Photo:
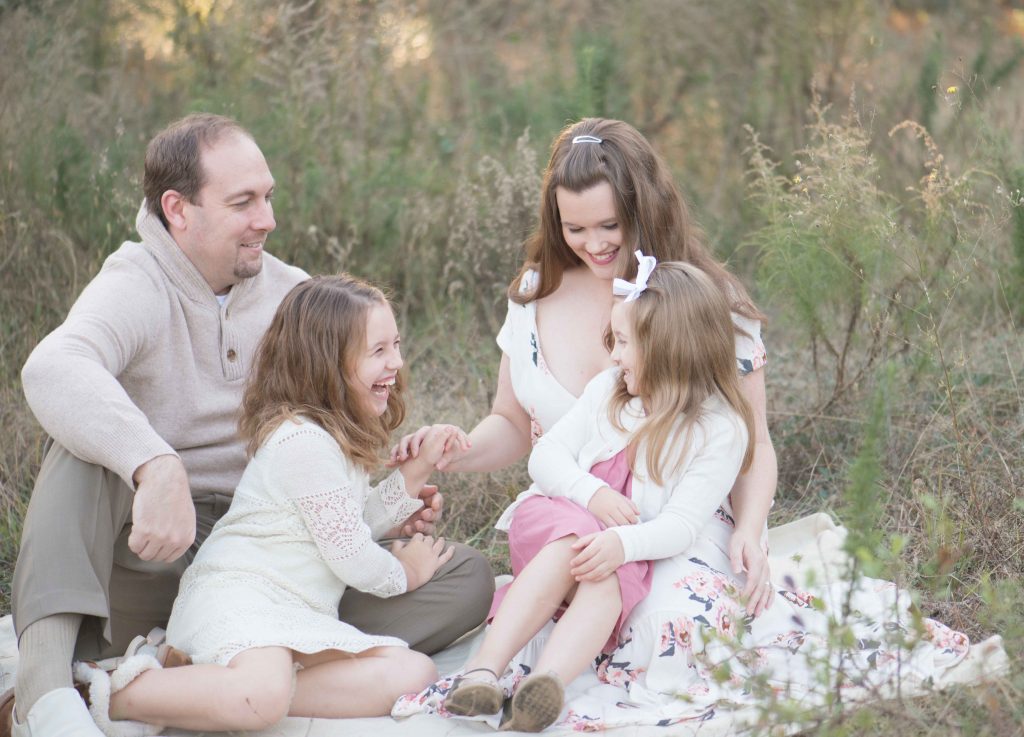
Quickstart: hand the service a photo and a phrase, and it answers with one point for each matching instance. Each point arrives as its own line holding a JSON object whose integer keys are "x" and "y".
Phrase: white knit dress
{"x": 301, "y": 528}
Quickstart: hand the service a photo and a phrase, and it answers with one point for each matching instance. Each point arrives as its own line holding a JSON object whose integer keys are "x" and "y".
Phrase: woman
{"x": 605, "y": 194}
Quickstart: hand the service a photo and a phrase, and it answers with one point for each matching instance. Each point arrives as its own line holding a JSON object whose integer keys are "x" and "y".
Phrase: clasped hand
{"x": 418, "y": 445}
{"x": 612, "y": 509}
{"x": 434, "y": 444}
{"x": 600, "y": 554}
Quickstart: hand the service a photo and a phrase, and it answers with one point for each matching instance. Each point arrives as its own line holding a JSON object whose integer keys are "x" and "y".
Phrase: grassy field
{"x": 858, "y": 163}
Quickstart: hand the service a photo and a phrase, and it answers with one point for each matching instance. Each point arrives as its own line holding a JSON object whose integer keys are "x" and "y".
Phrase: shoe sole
{"x": 469, "y": 699}
{"x": 535, "y": 705}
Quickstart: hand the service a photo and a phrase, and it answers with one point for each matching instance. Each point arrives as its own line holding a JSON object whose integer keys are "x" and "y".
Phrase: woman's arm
{"x": 751, "y": 498}
{"x": 501, "y": 438}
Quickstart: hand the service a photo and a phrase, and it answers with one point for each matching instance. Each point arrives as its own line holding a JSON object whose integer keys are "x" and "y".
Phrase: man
{"x": 139, "y": 391}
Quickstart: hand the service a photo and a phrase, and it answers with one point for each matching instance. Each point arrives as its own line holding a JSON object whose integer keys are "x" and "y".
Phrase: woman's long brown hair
{"x": 304, "y": 365}
{"x": 686, "y": 346}
{"x": 651, "y": 211}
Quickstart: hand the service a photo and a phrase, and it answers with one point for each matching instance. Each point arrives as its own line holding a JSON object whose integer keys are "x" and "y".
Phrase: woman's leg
{"x": 252, "y": 692}
{"x": 532, "y": 599}
{"x": 583, "y": 630}
{"x": 366, "y": 684}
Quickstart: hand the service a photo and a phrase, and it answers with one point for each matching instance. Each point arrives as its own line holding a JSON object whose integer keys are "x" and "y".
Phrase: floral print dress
{"x": 688, "y": 654}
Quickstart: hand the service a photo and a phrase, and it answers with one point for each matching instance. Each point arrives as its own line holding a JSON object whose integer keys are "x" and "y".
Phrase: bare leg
{"x": 366, "y": 684}
{"x": 532, "y": 599}
{"x": 252, "y": 692}
{"x": 583, "y": 629}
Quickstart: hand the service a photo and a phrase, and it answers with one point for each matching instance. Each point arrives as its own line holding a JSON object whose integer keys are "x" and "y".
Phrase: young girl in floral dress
{"x": 258, "y": 608}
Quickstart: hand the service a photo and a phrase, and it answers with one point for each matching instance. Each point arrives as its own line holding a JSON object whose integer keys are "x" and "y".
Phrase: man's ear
{"x": 173, "y": 205}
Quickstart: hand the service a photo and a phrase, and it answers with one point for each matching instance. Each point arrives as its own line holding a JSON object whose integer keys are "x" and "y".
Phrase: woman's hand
{"x": 411, "y": 445}
{"x": 613, "y": 509}
{"x": 600, "y": 555}
{"x": 747, "y": 554}
{"x": 408, "y": 446}
{"x": 440, "y": 443}
{"x": 421, "y": 556}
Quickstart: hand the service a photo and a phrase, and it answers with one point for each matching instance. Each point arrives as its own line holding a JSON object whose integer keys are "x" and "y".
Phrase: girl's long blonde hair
{"x": 304, "y": 366}
{"x": 686, "y": 346}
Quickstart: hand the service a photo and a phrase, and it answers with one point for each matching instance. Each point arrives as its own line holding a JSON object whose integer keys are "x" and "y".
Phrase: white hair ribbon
{"x": 630, "y": 290}
{"x": 587, "y": 139}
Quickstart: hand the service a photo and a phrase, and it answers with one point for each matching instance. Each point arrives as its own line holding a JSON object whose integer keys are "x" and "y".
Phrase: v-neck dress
{"x": 537, "y": 390}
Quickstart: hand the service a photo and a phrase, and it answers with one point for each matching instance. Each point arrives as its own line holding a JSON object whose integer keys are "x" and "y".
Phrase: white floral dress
{"x": 688, "y": 655}
{"x": 301, "y": 528}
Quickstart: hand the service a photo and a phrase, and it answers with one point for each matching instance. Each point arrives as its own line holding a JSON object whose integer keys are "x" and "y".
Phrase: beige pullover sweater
{"x": 149, "y": 363}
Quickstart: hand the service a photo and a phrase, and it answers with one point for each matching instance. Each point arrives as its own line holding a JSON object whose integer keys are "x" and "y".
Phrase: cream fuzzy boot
{"x": 103, "y": 685}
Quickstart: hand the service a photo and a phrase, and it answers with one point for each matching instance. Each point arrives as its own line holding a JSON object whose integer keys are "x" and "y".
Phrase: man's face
{"x": 226, "y": 227}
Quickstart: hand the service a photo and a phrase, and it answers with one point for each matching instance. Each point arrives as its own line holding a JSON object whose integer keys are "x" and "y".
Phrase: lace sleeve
{"x": 334, "y": 519}
{"x": 389, "y": 504}
{"x": 309, "y": 469}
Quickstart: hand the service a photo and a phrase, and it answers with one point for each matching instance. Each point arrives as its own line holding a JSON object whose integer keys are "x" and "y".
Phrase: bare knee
{"x": 410, "y": 671}
{"x": 606, "y": 590}
{"x": 253, "y": 703}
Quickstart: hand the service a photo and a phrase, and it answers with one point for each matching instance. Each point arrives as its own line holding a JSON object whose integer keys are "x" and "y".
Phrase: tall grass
{"x": 859, "y": 164}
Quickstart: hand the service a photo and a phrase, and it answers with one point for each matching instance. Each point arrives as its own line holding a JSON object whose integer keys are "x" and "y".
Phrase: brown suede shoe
{"x": 535, "y": 705}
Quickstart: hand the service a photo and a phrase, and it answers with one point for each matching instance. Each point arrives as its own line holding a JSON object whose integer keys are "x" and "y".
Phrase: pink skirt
{"x": 540, "y": 520}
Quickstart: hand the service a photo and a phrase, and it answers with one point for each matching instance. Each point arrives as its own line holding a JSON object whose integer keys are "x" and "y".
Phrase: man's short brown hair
{"x": 173, "y": 157}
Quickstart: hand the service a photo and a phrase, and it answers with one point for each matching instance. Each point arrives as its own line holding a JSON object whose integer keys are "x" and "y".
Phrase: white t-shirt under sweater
{"x": 301, "y": 528}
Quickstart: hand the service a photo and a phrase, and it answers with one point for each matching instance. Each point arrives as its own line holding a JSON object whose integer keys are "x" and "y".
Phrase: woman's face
{"x": 590, "y": 227}
{"x": 624, "y": 351}
{"x": 377, "y": 365}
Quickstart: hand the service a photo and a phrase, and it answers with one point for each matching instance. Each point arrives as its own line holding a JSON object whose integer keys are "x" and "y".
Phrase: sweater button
{"x": 231, "y": 354}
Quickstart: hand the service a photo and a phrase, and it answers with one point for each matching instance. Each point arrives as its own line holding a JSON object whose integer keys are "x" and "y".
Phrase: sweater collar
{"x": 179, "y": 269}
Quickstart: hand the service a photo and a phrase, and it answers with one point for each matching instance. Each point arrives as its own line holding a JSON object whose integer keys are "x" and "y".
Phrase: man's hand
{"x": 163, "y": 516}
{"x": 424, "y": 519}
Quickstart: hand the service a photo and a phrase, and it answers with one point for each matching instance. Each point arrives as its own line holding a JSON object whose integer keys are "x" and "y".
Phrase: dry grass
{"x": 417, "y": 166}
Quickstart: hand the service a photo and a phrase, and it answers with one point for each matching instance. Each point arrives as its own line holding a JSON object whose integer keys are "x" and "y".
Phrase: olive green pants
{"x": 75, "y": 558}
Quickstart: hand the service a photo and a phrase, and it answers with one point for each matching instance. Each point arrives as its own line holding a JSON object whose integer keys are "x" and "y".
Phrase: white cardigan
{"x": 672, "y": 514}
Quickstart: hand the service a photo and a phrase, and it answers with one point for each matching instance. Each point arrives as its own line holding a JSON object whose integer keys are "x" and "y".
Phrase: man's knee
{"x": 470, "y": 576}
{"x": 74, "y": 515}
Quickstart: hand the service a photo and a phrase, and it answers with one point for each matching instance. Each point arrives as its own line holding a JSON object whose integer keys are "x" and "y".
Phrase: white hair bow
{"x": 630, "y": 290}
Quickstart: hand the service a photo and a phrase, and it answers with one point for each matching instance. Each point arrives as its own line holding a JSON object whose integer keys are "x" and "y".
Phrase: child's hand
{"x": 600, "y": 554}
{"x": 612, "y": 509}
{"x": 421, "y": 556}
{"x": 441, "y": 444}
{"x": 409, "y": 446}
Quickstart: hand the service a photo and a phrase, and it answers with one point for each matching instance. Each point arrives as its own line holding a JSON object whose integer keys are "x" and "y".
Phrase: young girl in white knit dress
{"x": 632, "y": 473}
{"x": 257, "y": 609}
